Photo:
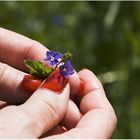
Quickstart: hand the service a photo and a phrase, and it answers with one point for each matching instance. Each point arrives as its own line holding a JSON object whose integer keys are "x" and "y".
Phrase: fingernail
{"x": 55, "y": 83}
{"x": 30, "y": 83}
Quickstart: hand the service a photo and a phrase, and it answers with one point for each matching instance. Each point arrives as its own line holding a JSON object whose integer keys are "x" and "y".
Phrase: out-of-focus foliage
{"x": 103, "y": 36}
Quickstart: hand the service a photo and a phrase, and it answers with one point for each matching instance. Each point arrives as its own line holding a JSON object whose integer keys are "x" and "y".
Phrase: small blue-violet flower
{"x": 66, "y": 69}
{"x": 53, "y": 57}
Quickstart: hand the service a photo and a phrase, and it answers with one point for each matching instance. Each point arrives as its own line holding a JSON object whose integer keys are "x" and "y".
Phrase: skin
{"x": 46, "y": 114}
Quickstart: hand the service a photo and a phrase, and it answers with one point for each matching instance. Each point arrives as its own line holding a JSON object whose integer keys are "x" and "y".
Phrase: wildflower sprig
{"x": 56, "y": 61}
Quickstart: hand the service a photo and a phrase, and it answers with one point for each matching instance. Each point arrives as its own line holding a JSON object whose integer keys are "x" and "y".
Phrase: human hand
{"x": 98, "y": 117}
{"x": 43, "y": 111}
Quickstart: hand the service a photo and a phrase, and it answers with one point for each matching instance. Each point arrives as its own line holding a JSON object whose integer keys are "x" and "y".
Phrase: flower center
{"x": 64, "y": 69}
{"x": 52, "y": 58}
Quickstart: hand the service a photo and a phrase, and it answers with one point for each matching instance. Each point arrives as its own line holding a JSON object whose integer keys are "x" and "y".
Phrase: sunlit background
{"x": 103, "y": 36}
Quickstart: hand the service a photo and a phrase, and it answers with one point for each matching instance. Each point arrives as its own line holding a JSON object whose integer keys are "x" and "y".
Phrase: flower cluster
{"x": 62, "y": 62}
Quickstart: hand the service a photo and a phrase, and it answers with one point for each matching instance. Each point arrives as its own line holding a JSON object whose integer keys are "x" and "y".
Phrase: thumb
{"x": 46, "y": 108}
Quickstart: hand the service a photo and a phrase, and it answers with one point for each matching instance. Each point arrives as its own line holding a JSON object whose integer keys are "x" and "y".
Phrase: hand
{"x": 44, "y": 109}
{"x": 98, "y": 119}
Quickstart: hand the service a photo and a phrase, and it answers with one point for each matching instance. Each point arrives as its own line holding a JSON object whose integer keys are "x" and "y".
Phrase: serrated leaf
{"x": 37, "y": 68}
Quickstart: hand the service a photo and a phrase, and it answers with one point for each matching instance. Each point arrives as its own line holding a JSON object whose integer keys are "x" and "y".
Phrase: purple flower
{"x": 66, "y": 69}
{"x": 53, "y": 57}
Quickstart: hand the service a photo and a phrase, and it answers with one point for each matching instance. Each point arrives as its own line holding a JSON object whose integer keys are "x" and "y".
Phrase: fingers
{"x": 38, "y": 115}
{"x": 96, "y": 108}
{"x": 15, "y": 48}
{"x": 72, "y": 116}
{"x": 46, "y": 108}
{"x": 90, "y": 100}
{"x": 99, "y": 119}
{"x": 70, "y": 120}
{"x": 10, "y": 85}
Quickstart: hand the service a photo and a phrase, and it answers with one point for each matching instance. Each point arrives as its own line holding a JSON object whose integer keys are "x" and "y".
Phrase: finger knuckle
{"x": 52, "y": 107}
{"x": 29, "y": 53}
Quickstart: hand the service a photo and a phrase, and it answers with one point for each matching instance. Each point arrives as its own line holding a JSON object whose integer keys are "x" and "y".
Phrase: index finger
{"x": 15, "y": 48}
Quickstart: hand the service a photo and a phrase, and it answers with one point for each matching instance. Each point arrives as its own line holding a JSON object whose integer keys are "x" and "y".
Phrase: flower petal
{"x": 66, "y": 69}
{"x": 52, "y": 54}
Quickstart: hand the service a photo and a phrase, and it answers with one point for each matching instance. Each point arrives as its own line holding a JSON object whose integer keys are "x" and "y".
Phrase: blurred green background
{"x": 103, "y": 36}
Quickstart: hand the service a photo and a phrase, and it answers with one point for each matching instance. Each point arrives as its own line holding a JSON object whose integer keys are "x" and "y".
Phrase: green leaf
{"x": 37, "y": 68}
